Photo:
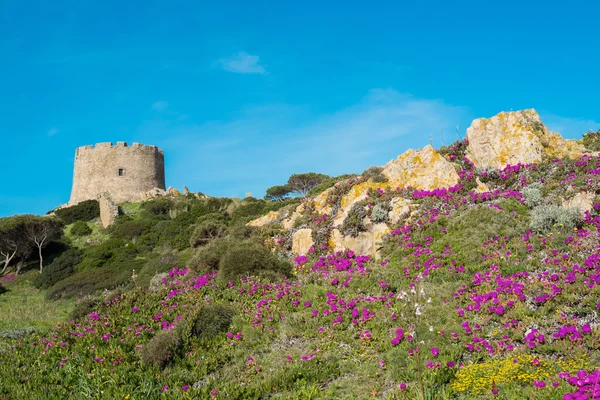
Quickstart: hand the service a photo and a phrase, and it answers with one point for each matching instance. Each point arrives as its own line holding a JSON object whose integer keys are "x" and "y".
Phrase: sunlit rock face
{"x": 515, "y": 137}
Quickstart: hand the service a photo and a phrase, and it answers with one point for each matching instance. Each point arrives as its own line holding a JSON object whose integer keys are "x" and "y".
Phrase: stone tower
{"x": 125, "y": 172}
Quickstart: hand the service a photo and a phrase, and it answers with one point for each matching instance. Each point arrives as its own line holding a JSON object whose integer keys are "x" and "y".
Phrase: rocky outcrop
{"x": 270, "y": 217}
{"x": 515, "y": 137}
{"x": 584, "y": 201}
{"x": 421, "y": 169}
{"x": 367, "y": 243}
{"x": 302, "y": 241}
{"x": 109, "y": 211}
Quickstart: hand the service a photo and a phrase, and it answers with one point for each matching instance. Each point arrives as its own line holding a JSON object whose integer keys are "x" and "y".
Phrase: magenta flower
{"x": 435, "y": 351}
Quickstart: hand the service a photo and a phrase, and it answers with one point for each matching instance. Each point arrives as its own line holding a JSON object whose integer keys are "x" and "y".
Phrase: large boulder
{"x": 302, "y": 241}
{"x": 367, "y": 243}
{"x": 584, "y": 201}
{"x": 270, "y": 217}
{"x": 421, "y": 169}
{"x": 515, "y": 137}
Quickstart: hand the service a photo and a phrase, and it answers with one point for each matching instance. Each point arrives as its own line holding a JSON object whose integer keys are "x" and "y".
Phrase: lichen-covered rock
{"x": 366, "y": 243}
{"x": 421, "y": 169}
{"x": 270, "y": 217}
{"x": 584, "y": 201}
{"x": 400, "y": 208}
{"x": 109, "y": 211}
{"x": 515, "y": 137}
{"x": 302, "y": 241}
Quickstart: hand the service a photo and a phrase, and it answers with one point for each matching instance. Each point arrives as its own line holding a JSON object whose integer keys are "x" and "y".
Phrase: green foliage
{"x": 106, "y": 252}
{"x": 533, "y": 194}
{"x": 62, "y": 267}
{"x": 354, "y": 223}
{"x": 207, "y": 258}
{"x": 212, "y": 319}
{"x": 303, "y": 183}
{"x": 158, "y": 206}
{"x": 278, "y": 193}
{"x": 552, "y": 217}
{"x": 83, "y": 308}
{"x": 250, "y": 258}
{"x": 591, "y": 140}
{"x": 88, "y": 282}
{"x": 85, "y": 211}
{"x": 16, "y": 334}
{"x": 374, "y": 173}
{"x": 380, "y": 213}
{"x": 207, "y": 231}
{"x": 129, "y": 229}
{"x": 80, "y": 228}
{"x": 161, "y": 348}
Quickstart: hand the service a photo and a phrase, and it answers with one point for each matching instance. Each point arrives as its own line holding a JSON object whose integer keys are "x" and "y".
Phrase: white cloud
{"x": 263, "y": 145}
{"x": 242, "y": 63}
{"x": 53, "y": 131}
{"x": 572, "y": 128}
{"x": 160, "y": 106}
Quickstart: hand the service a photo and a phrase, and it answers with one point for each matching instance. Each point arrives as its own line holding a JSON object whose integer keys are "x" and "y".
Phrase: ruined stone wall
{"x": 97, "y": 171}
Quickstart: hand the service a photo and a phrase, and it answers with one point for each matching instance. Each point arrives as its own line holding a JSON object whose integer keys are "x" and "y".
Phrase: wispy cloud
{"x": 243, "y": 63}
{"x": 53, "y": 131}
{"x": 571, "y": 128}
{"x": 263, "y": 145}
{"x": 160, "y": 106}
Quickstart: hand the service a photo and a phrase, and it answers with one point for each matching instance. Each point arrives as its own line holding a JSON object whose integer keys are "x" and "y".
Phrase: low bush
{"x": 207, "y": 257}
{"x": 354, "y": 223}
{"x": 533, "y": 194}
{"x": 84, "y": 211}
{"x": 80, "y": 228}
{"x": 19, "y": 333}
{"x": 591, "y": 140}
{"x": 83, "y": 308}
{"x": 211, "y": 320}
{"x": 62, "y": 267}
{"x": 374, "y": 173}
{"x": 249, "y": 258}
{"x": 546, "y": 218}
{"x": 161, "y": 348}
{"x": 88, "y": 282}
{"x": 380, "y": 213}
{"x": 207, "y": 231}
{"x": 158, "y": 206}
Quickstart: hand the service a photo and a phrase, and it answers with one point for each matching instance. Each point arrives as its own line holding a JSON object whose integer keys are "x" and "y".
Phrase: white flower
{"x": 429, "y": 300}
{"x": 431, "y": 329}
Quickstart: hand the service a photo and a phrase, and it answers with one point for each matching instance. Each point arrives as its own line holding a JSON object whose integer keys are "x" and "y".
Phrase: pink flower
{"x": 435, "y": 351}
{"x": 165, "y": 388}
{"x": 185, "y": 388}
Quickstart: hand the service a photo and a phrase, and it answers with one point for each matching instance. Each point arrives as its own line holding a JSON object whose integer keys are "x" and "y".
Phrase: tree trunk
{"x": 41, "y": 259}
{"x": 19, "y": 266}
{"x": 7, "y": 258}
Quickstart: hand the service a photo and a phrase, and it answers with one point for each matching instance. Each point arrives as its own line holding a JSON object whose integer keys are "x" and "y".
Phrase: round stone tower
{"x": 125, "y": 172}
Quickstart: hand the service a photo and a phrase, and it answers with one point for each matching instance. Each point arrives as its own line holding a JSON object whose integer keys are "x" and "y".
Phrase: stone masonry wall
{"x": 97, "y": 171}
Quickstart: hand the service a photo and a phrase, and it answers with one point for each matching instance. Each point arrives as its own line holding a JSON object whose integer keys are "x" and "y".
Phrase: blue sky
{"x": 242, "y": 94}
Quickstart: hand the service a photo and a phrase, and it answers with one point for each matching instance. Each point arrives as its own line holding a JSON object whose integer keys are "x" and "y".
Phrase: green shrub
{"x": 546, "y": 218}
{"x": 533, "y": 194}
{"x": 18, "y": 333}
{"x": 591, "y": 140}
{"x": 380, "y": 213}
{"x": 354, "y": 223}
{"x": 207, "y": 258}
{"x": 83, "y": 308}
{"x": 374, "y": 173}
{"x": 158, "y": 206}
{"x": 212, "y": 319}
{"x": 159, "y": 351}
{"x": 249, "y": 258}
{"x": 88, "y": 282}
{"x": 80, "y": 228}
{"x": 212, "y": 217}
{"x": 129, "y": 229}
{"x": 84, "y": 211}
{"x": 103, "y": 253}
{"x": 62, "y": 267}
{"x": 207, "y": 231}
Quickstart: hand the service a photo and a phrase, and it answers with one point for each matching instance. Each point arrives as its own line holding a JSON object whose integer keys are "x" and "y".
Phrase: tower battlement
{"x": 126, "y": 172}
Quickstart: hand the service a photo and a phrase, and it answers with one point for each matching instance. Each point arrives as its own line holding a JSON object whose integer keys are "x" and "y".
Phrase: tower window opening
{"x": 121, "y": 172}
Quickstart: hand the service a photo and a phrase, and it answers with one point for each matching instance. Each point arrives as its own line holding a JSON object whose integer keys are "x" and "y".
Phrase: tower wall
{"x": 125, "y": 172}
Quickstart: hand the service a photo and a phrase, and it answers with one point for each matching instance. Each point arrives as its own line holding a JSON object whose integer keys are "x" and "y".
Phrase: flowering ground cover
{"x": 470, "y": 300}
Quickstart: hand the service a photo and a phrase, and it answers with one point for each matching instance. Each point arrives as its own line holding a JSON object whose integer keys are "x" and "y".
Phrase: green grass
{"x": 23, "y": 305}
